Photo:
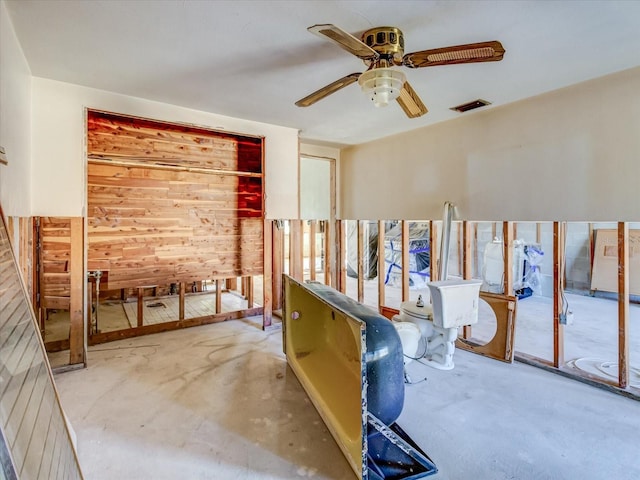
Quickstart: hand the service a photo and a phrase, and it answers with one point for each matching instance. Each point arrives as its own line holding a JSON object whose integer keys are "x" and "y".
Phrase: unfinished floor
{"x": 219, "y": 402}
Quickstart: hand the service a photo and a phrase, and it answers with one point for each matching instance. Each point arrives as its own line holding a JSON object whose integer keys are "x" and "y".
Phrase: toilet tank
{"x": 455, "y": 302}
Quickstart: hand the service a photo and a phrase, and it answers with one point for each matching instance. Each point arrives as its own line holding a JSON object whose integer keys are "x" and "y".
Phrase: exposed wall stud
{"x": 341, "y": 267}
{"x": 360, "y": 248}
{"x": 623, "y": 304}
{"x": 269, "y": 272}
{"x": 181, "y": 293}
{"x": 434, "y": 273}
{"x": 276, "y": 260}
{"x": 329, "y": 266}
{"x": 295, "y": 250}
{"x": 140, "y": 306}
{"x": 467, "y": 258}
{"x": 381, "y": 265}
{"x": 218, "y": 295}
{"x": 312, "y": 250}
{"x": 507, "y": 240}
{"x": 558, "y": 304}
{"x": 77, "y": 332}
{"x": 405, "y": 260}
{"x": 250, "y": 299}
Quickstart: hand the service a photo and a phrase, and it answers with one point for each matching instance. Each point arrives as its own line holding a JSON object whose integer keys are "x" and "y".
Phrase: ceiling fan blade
{"x": 328, "y": 90}
{"x": 470, "y": 53}
{"x": 345, "y": 40}
{"x": 410, "y": 102}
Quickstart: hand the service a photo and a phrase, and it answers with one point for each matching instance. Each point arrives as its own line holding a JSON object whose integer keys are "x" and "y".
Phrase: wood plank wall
{"x": 171, "y": 203}
{"x": 55, "y": 257}
{"x": 30, "y": 415}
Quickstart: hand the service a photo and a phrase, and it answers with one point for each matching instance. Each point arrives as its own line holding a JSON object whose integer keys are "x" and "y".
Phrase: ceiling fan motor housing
{"x": 387, "y": 41}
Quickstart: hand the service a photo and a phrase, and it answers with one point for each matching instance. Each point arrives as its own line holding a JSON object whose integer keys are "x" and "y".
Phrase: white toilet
{"x": 454, "y": 304}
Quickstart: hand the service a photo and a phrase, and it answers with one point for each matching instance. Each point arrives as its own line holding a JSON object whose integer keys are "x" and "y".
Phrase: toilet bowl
{"x": 419, "y": 313}
{"x": 454, "y": 304}
{"x": 409, "y": 338}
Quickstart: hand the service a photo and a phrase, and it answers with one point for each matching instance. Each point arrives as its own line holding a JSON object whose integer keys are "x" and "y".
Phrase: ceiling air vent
{"x": 465, "y": 107}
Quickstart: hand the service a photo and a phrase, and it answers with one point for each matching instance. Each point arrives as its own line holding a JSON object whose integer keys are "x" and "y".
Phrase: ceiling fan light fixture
{"x": 382, "y": 85}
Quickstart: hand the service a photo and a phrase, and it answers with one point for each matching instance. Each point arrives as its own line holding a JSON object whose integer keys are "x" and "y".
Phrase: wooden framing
{"x": 405, "y": 260}
{"x": 180, "y": 168}
{"x": 312, "y": 250}
{"x": 181, "y": 301}
{"x": 268, "y": 277}
{"x": 232, "y": 283}
{"x": 507, "y": 240}
{"x": 476, "y": 265}
{"x": 467, "y": 265}
{"x": 218, "y": 296}
{"x": 558, "y": 304}
{"x": 469, "y": 233}
{"x": 339, "y": 252}
{"x": 77, "y": 332}
{"x": 623, "y": 304}
{"x": 277, "y": 263}
{"x": 381, "y": 265}
{"x": 591, "y": 245}
{"x": 360, "y": 248}
{"x": 296, "y": 250}
{"x": 249, "y": 292}
{"x": 329, "y": 266}
{"x": 173, "y": 325}
{"x": 434, "y": 272}
{"x": 141, "y": 306}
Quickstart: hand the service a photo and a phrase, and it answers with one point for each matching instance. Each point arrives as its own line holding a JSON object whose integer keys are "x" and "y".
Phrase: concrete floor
{"x": 219, "y": 402}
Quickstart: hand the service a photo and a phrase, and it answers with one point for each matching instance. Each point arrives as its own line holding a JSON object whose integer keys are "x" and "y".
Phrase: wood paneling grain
{"x": 117, "y": 136}
{"x": 55, "y": 257}
{"x": 171, "y": 203}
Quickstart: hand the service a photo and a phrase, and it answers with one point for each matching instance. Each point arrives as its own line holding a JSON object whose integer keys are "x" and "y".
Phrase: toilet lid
{"x": 410, "y": 308}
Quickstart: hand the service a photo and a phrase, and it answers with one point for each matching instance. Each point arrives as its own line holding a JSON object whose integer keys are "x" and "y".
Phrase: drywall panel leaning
{"x": 604, "y": 275}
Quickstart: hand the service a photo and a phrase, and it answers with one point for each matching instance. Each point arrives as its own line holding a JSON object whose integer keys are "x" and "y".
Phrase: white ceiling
{"x": 254, "y": 59}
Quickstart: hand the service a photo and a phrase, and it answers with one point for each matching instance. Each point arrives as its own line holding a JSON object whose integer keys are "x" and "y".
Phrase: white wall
{"x": 572, "y": 154}
{"x": 15, "y": 121}
{"x": 59, "y": 154}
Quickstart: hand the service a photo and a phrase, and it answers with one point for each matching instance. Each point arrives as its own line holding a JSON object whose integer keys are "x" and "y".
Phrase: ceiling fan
{"x": 381, "y": 49}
